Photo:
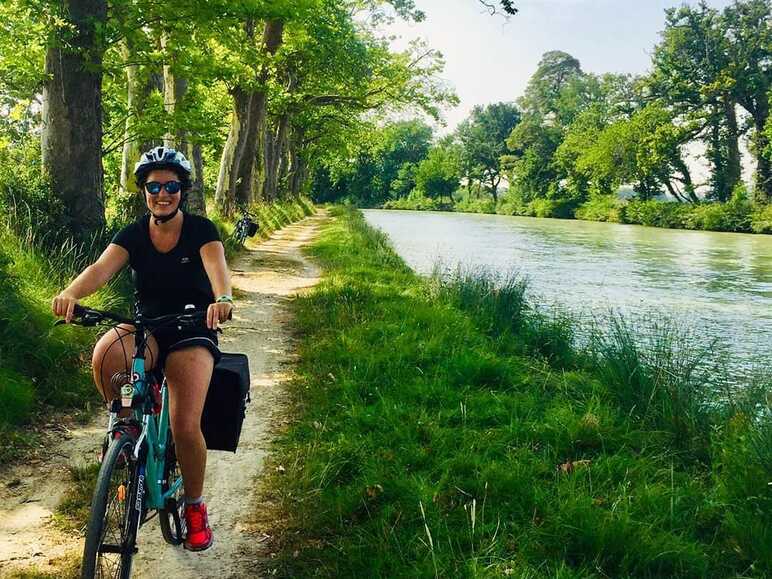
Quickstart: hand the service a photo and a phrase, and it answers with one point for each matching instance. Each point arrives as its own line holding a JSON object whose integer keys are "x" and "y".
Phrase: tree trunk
{"x": 494, "y": 189}
{"x": 233, "y": 151}
{"x": 175, "y": 89}
{"x": 249, "y": 186}
{"x": 246, "y": 178}
{"x": 733, "y": 168}
{"x": 130, "y": 145}
{"x": 196, "y": 202}
{"x": 716, "y": 156}
{"x": 297, "y": 176}
{"x": 686, "y": 179}
{"x": 763, "y": 180}
{"x": 136, "y": 95}
{"x": 296, "y": 163}
{"x": 275, "y": 143}
{"x": 284, "y": 164}
{"x": 269, "y": 138}
{"x": 71, "y": 140}
{"x": 140, "y": 84}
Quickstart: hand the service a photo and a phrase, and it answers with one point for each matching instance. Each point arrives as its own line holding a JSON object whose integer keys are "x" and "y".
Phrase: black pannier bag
{"x": 226, "y": 403}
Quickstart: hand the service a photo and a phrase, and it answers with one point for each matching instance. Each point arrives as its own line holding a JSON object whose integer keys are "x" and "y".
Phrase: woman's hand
{"x": 218, "y": 313}
{"x": 64, "y": 305}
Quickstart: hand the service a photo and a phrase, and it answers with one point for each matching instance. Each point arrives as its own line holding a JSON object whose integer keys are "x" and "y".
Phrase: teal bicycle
{"x": 139, "y": 472}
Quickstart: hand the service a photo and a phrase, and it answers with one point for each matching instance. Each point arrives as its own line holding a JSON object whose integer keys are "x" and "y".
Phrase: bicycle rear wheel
{"x": 240, "y": 232}
{"x": 115, "y": 514}
{"x": 172, "y": 516}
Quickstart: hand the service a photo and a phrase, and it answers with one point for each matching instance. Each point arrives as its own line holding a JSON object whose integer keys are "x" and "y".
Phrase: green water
{"x": 719, "y": 284}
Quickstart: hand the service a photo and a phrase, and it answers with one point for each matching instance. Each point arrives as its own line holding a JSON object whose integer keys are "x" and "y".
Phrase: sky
{"x": 490, "y": 59}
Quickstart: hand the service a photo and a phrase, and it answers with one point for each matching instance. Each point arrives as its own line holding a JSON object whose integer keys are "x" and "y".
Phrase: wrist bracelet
{"x": 225, "y": 298}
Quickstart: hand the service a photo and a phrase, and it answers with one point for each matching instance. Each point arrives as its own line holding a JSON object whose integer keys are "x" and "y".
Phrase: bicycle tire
{"x": 240, "y": 231}
{"x": 172, "y": 516}
{"x": 112, "y": 528}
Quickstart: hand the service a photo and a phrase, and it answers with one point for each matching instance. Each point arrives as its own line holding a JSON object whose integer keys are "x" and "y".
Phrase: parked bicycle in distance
{"x": 246, "y": 226}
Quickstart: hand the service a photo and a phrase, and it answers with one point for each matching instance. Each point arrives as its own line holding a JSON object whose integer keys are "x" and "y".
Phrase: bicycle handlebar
{"x": 91, "y": 317}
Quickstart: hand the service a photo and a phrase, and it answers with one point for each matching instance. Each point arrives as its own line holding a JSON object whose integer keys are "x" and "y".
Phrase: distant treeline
{"x": 567, "y": 146}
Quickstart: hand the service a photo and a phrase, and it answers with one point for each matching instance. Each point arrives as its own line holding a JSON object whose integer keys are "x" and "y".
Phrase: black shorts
{"x": 172, "y": 339}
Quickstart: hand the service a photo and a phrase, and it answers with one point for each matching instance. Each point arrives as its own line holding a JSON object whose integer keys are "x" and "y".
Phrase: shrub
{"x": 669, "y": 214}
{"x": 26, "y": 194}
{"x": 601, "y": 208}
{"x": 761, "y": 219}
{"x": 416, "y": 201}
{"x": 16, "y": 397}
{"x": 559, "y": 208}
{"x": 735, "y": 215}
{"x": 467, "y": 202}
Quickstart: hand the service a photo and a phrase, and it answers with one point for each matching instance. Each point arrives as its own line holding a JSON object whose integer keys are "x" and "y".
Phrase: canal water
{"x": 718, "y": 284}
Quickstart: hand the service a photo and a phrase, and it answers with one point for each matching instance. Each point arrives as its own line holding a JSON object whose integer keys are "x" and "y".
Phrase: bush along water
{"x": 447, "y": 428}
{"x": 737, "y": 215}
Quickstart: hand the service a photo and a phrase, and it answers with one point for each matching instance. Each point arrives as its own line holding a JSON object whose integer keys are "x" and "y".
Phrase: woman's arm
{"x": 90, "y": 280}
{"x": 213, "y": 256}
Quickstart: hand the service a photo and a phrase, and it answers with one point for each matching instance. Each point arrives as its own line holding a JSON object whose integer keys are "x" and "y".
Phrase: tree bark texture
{"x": 276, "y": 139}
{"x": 247, "y": 176}
{"x": 233, "y": 151}
{"x": 71, "y": 140}
{"x": 196, "y": 203}
{"x": 298, "y": 167}
{"x": 175, "y": 89}
{"x": 763, "y": 181}
{"x": 733, "y": 160}
{"x": 140, "y": 83}
{"x": 248, "y": 183}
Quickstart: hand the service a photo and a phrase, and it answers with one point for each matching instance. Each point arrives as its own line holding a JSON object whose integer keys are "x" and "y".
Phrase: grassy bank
{"x": 737, "y": 215}
{"x": 43, "y": 369}
{"x": 447, "y": 429}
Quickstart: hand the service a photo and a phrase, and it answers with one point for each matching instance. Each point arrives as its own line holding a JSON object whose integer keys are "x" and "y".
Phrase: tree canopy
{"x": 260, "y": 95}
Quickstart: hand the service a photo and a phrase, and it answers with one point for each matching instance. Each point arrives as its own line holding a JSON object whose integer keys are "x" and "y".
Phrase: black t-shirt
{"x": 167, "y": 282}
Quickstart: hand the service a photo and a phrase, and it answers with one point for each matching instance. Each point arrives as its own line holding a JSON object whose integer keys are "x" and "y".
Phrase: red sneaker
{"x": 199, "y": 536}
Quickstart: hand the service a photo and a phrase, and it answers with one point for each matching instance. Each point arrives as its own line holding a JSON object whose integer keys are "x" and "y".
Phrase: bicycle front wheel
{"x": 115, "y": 514}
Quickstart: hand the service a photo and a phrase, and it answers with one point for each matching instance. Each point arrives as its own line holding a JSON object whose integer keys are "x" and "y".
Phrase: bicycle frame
{"x": 153, "y": 435}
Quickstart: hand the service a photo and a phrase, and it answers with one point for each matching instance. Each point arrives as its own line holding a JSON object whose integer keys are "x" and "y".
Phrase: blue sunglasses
{"x": 172, "y": 187}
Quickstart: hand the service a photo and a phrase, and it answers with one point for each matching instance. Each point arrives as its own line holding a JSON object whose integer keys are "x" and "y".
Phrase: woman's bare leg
{"x": 188, "y": 372}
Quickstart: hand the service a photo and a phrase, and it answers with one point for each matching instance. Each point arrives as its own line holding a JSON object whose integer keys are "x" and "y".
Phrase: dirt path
{"x": 265, "y": 278}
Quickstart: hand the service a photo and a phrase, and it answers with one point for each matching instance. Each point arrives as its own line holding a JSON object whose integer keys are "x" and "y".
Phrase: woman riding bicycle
{"x": 178, "y": 259}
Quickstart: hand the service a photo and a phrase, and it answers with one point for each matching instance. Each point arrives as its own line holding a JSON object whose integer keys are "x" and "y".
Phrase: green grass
{"x": 42, "y": 368}
{"x": 447, "y": 429}
{"x": 73, "y": 511}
